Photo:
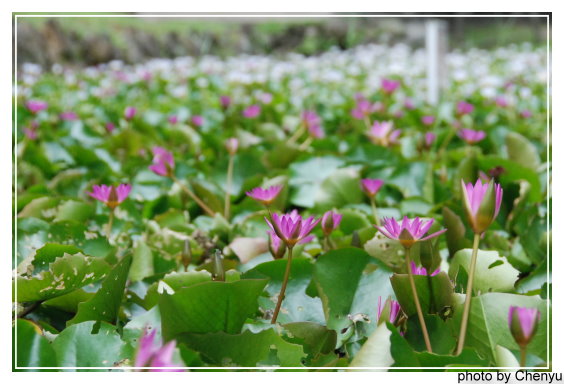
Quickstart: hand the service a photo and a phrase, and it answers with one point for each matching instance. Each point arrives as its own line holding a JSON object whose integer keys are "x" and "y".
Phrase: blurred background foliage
{"x": 93, "y": 40}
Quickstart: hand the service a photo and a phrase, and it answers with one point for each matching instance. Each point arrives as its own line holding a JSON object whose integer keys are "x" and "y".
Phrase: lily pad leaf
{"x": 78, "y": 346}
{"x": 209, "y": 307}
{"x": 247, "y": 349}
{"x": 65, "y": 274}
{"x": 105, "y": 304}
{"x": 493, "y": 272}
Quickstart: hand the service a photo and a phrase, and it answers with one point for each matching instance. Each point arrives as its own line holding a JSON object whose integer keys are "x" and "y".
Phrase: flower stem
{"x": 297, "y": 134}
{"x": 110, "y": 223}
{"x": 305, "y": 145}
{"x": 417, "y": 304}
{"x": 283, "y": 289}
{"x": 194, "y": 197}
{"x": 523, "y": 361}
{"x": 374, "y": 211}
{"x": 228, "y": 188}
{"x": 466, "y": 313}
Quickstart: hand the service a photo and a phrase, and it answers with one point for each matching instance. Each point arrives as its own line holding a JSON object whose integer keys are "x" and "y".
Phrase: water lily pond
{"x": 283, "y": 212}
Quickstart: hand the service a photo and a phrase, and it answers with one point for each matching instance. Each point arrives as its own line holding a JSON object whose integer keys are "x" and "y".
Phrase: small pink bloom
{"x": 371, "y": 186}
{"x": 148, "y": 355}
{"x": 408, "y": 231}
{"x": 197, "y": 120}
{"x": 501, "y": 102}
{"x": 232, "y": 144}
{"x": 422, "y": 271}
{"x": 291, "y": 228}
{"x": 330, "y": 221}
{"x": 464, "y": 108}
{"x": 395, "y": 309}
{"x": 110, "y": 195}
{"x": 130, "y": 113}
{"x": 265, "y": 196}
{"x": 173, "y": 119}
{"x": 408, "y": 104}
{"x": 251, "y": 111}
{"x": 110, "y": 127}
{"x": 225, "y": 101}
{"x": 68, "y": 116}
{"x": 30, "y": 133}
{"x": 365, "y": 108}
{"x": 36, "y": 106}
{"x": 381, "y": 130}
{"x": 428, "y": 120}
{"x": 471, "y": 136}
{"x": 389, "y": 85}
{"x": 265, "y": 98}
{"x": 163, "y": 162}
{"x": 526, "y": 113}
{"x": 429, "y": 139}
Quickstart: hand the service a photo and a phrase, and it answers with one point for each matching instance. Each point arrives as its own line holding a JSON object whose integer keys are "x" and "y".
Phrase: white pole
{"x": 435, "y": 46}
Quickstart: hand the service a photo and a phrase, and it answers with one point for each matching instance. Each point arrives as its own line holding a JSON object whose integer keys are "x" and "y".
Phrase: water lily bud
{"x": 232, "y": 144}
{"x": 330, "y": 222}
{"x": 482, "y": 202}
{"x": 523, "y": 324}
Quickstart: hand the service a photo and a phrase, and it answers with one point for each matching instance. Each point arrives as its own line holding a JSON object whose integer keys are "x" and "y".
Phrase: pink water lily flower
{"x": 408, "y": 231}
{"x": 252, "y": 111}
{"x": 149, "y": 355}
{"x": 130, "y": 113}
{"x": 30, "y": 133}
{"x": 313, "y": 124}
{"x": 291, "y": 228}
{"x": 471, "y": 136}
{"x": 36, "y": 106}
{"x": 395, "y": 310}
{"x": 365, "y": 108}
{"x": 523, "y": 324}
{"x": 422, "y": 271}
{"x": 264, "y": 195}
{"x": 173, "y": 119}
{"x": 482, "y": 202}
{"x": 371, "y": 186}
{"x": 408, "y": 104}
{"x": 428, "y": 120}
{"x": 110, "y": 195}
{"x": 389, "y": 85}
{"x": 330, "y": 221}
{"x": 265, "y": 98}
{"x": 163, "y": 162}
{"x": 68, "y": 116}
{"x": 197, "y": 120}
{"x": 429, "y": 139}
{"x": 501, "y": 102}
{"x": 110, "y": 127}
{"x": 225, "y": 101}
{"x": 464, "y": 108}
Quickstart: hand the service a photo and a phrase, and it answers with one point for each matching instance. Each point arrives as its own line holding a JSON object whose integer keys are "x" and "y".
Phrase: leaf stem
{"x": 194, "y": 197}
{"x": 283, "y": 289}
{"x": 466, "y": 313}
{"x": 374, "y": 211}
{"x": 416, "y": 299}
{"x": 226, "y": 213}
